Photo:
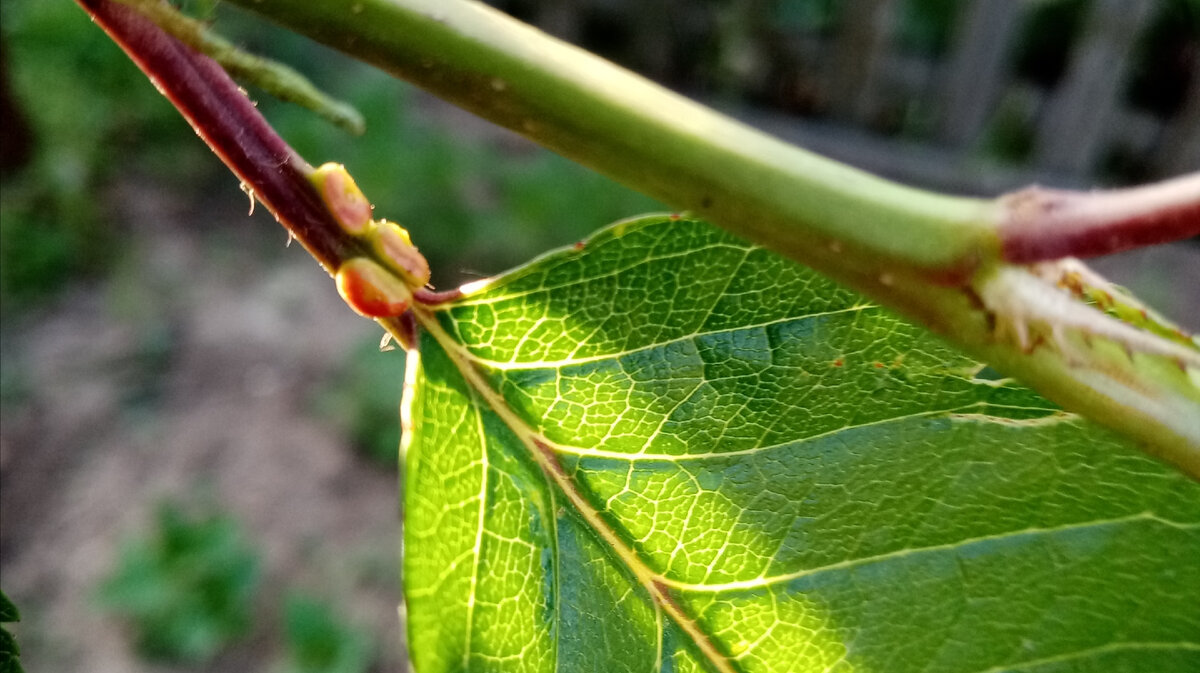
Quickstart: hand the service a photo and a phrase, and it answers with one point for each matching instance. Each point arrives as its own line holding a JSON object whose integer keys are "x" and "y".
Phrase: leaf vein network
{"x": 763, "y": 582}
{"x": 513, "y": 365}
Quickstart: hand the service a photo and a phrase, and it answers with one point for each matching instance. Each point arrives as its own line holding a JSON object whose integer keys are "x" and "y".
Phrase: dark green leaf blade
{"x": 759, "y": 471}
{"x": 8, "y": 611}
{"x": 10, "y": 652}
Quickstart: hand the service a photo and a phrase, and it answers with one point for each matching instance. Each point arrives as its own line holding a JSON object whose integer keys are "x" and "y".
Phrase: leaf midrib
{"x": 659, "y": 587}
{"x": 544, "y": 457}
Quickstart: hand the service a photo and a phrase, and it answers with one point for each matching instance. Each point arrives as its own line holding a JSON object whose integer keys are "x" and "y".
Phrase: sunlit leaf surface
{"x": 668, "y": 450}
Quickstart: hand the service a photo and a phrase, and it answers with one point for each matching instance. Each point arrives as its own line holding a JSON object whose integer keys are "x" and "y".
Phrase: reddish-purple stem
{"x": 1041, "y": 224}
{"x": 229, "y": 123}
{"x": 433, "y": 298}
{"x": 1045, "y": 224}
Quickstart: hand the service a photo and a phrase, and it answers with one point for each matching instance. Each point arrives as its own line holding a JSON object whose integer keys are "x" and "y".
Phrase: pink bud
{"x": 395, "y": 247}
{"x": 372, "y": 290}
{"x": 343, "y": 198}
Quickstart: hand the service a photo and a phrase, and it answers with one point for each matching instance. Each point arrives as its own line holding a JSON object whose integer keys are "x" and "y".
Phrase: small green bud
{"x": 394, "y": 245}
{"x": 343, "y": 198}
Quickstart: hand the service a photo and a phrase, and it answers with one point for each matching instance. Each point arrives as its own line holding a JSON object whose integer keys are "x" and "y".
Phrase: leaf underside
{"x": 761, "y": 471}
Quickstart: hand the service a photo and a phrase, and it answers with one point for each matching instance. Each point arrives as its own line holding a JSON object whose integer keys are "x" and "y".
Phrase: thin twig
{"x": 275, "y": 78}
{"x": 1045, "y": 224}
{"x": 229, "y": 123}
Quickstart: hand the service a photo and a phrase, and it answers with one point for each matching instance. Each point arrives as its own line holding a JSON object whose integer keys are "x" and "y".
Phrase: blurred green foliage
{"x": 927, "y": 26}
{"x": 84, "y": 103}
{"x": 1010, "y": 137}
{"x": 364, "y": 399}
{"x": 10, "y": 652}
{"x": 477, "y": 201}
{"x": 474, "y": 205}
{"x": 817, "y": 16}
{"x": 1159, "y": 81}
{"x": 1048, "y": 33}
{"x": 186, "y": 588}
{"x": 320, "y": 641}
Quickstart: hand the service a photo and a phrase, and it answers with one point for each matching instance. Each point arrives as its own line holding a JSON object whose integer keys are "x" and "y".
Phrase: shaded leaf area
{"x": 10, "y": 652}
{"x": 754, "y": 457}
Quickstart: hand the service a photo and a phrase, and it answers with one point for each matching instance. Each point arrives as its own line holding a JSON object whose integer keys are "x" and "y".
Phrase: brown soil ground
{"x": 243, "y": 334}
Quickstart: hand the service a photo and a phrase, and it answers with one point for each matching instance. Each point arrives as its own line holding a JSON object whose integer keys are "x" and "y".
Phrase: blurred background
{"x": 198, "y": 439}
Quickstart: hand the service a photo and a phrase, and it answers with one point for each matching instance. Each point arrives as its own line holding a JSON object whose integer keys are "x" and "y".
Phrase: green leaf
{"x": 187, "y": 587}
{"x": 319, "y": 641}
{"x": 8, "y": 611}
{"x": 10, "y": 652}
{"x": 670, "y": 450}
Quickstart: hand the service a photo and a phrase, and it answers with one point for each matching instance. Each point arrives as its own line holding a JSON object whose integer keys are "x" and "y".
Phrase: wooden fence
{"x": 849, "y": 87}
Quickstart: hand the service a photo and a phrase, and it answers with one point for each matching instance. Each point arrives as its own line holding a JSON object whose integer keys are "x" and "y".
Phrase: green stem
{"x": 935, "y": 258}
{"x": 818, "y": 211}
{"x": 275, "y": 78}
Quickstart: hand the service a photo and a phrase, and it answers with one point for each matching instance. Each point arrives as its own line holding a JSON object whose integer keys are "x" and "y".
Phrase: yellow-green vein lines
{"x": 483, "y": 283}
{"x": 652, "y": 582}
{"x": 1092, "y": 652}
{"x": 767, "y": 581}
{"x": 962, "y": 414}
{"x": 513, "y": 365}
{"x": 478, "y": 548}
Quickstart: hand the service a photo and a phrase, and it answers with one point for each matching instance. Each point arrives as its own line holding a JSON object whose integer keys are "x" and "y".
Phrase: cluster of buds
{"x": 379, "y": 286}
